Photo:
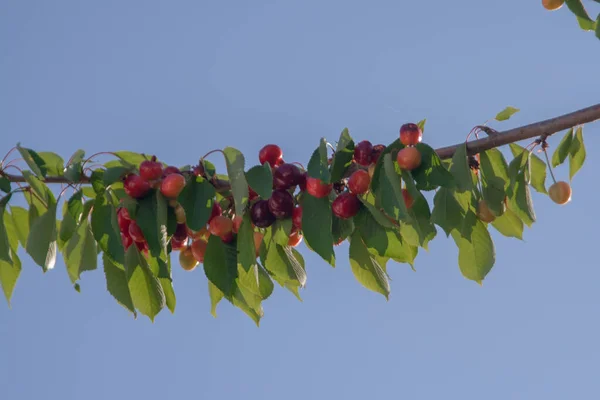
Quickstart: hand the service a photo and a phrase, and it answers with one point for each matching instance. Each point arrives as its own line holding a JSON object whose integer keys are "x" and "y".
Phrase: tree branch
{"x": 537, "y": 129}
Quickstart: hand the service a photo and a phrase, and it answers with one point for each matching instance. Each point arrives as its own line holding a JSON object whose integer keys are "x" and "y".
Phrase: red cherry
{"x": 216, "y": 211}
{"x": 409, "y": 158}
{"x": 177, "y": 244}
{"x": 272, "y": 154}
{"x": 376, "y": 153}
{"x": 135, "y": 186}
{"x": 123, "y": 213}
{"x": 286, "y": 176}
{"x": 281, "y": 204}
{"x": 142, "y": 246}
{"x": 199, "y": 249}
{"x": 136, "y": 232}
{"x": 126, "y": 239}
{"x": 346, "y": 205}
{"x": 316, "y": 188}
{"x": 123, "y": 221}
{"x": 297, "y": 217}
{"x": 260, "y": 214}
{"x": 410, "y": 134}
{"x": 237, "y": 222}
{"x": 251, "y": 194}
{"x": 359, "y": 182}
{"x": 228, "y": 237}
{"x": 220, "y": 226}
{"x": 408, "y": 199}
{"x": 151, "y": 170}
{"x": 362, "y": 153}
{"x": 170, "y": 170}
{"x": 181, "y": 232}
{"x": 295, "y": 239}
{"x": 172, "y": 185}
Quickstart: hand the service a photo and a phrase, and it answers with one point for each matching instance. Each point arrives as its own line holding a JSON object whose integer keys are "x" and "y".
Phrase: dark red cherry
{"x": 260, "y": 214}
{"x": 181, "y": 232}
{"x": 362, "y": 153}
{"x": 135, "y": 186}
{"x": 151, "y": 170}
{"x": 281, "y": 204}
{"x": 171, "y": 170}
{"x": 345, "y": 206}
{"x": 136, "y": 232}
{"x": 286, "y": 176}
{"x": 376, "y": 153}
{"x": 297, "y": 217}
{"x": 271, "y": 153}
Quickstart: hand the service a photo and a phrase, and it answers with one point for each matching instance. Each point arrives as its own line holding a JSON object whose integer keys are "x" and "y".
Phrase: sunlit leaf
{"x": 563, "y": 149}
{"x": 146, "y": 291}
{"x": 316, "y": 226}
{"x": 431, "y": 174}
{"x": 476, "y": 252}
{"x": 506, "y": 113}
{"x": 117, "y": 286}
{"x": 318, "y": 167}
{"x": 365, "y": 267}
{"x": 577, "y": 153}
{"x": 197, "y": 200}
{"x": 237, "y": 178}
{"x": 343, "y": 156}
{"x": 260, "y": 179}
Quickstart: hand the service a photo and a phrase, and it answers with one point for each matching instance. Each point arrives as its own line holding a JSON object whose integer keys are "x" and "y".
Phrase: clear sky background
{"x": 177, "y": 79}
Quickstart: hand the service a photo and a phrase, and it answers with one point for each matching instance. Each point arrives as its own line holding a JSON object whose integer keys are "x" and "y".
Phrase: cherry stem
{"x": 95, "y": 155}
{"x": 7, "y": 154}
{"x": 331, "y": 147}
{"x": 549, "y": 166}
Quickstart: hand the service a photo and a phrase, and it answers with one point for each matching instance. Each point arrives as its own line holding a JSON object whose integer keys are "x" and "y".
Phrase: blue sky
{"x": 177, "y": 79}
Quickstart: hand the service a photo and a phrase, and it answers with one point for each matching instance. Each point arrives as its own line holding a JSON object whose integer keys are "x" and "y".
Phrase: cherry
{"x": 176, "y": 244}
{"x": 271, "y": 153}
{"x": 198, "y": 248}
{"x": 142, "y": 246}
{"x": 237, "y": 223}
{"x": 552, "y": 5}
{"x": 410, "y": 134}
{"x": 251, "y": 194}
{"x": 123, "y": 221}
{"x": 199, "y": 170}
{"x": 221, "y": 226}
{"x": 409, "y": 158}
{"x": 295, "y": 239}
{"x": 346, "y": 205}
{"x": 297, "y": 217}
{"x": 216, "y": 211}
{"x": 281, "y": 204}
{"x": 135, "y": 186}
{"x": 151, "y": 170}
{"x": 362, "y": 153}
{"x": 136, "y": 232}
{"x": 170, "y": 170}
{"x": 181, "y": 233}
{"x": 359, "y": 182}
{"x": 302, "y": 181}
{"x": 338, "y": 242}
{"x": 126, "y": 239}
{"x": 187, "y": 260}
{"x": 376, "y": 153}
{"x": 261, "y": 215}
{"x": 484, "y": 213}
{"x": 286, "y": 176}
{"x": 408, "y": 199}
{"x": 203, "y": 233}
{"x": 560, "y": 192}
{"x": 258, "y": 238}
{"x": 172, "y": 185}
{"x": 316, "y": 188}
{"x": 123, "y": 213}
{"x": 180, "y": 216}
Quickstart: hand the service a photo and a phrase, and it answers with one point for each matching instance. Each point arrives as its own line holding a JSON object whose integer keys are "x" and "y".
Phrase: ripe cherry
{"x": 177, "y": 244}
{"x": 281, "y": 204}
{"x": 271, "y": 153}
{"x": 136, "y": 232}
{"x": 198, "y": 248}
{"x": 286, "y": 176}
{"x": 251, "y": 194}
{"x": 221, "y": 226}
{"x": 560, "y": 192}
{"x": 126, "y": 239}
{"x": 123, "y": 221}
{"x": 410, "y": 134}
{"x": 203, "y": 233}
{"x": 552, "y": 5}
{"x": 142, "y": 247}
{"x": 199, "y": 170}
{"x": 258, "y": 238}
{"x": 123, "y": 213}
{"x": 363, "y": 152}
{"x": 409, "y": 158}
{"x": 295, "y": 239}
{"x": 484, "y": 213}
{"x": 172, "y": 185}
{"x": 359, "y": 182}
{"x": 408, "y": 199}
{"x": 216, "y": 211}
{"x": 170, "y": 170}
{"x": 297, "y": 217}
{"x": 151, "y": 170}
{"x": 260, "y": 214}
{"x": 346, "y": 205}
{"x": 237, "y": 222}
{"x": 187, "y": 260}
{"x": 135, "y": 186}
{"x": 376, "y": 153}
{"x": 316, "y": 188}
{"x": 181, "y": 232}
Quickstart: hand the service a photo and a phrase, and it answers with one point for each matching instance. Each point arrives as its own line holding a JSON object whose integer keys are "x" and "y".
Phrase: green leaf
{"x": 40, "y": 189}
{"x": 130, "y": 158}
{"x": 316, "y": 226}
{"x": 562, "y": 151}
{"x": 341, "y": 228}
{"x": 285, "y": 265}
{"x": 34, "y": 161}
{"x": 577, "y": 8}
{"x": 53, "y": 163}
{"x": 520, "y": 201}
{"x": 597, "y": 30}
{"x": 368, "y": 201}
{"x": 146, "y": 291}
{"x": 418, "y": 230}
{"x": 506, "y": 113}
{"x": 117, "y": 284}
{"x": 5, "y": 248}
{"x": 151, "y": 216}
{"x": 245, "y": 243}
{"x": 97, "y": 180}
{"x": 9, "y": 274}
{"x": 237, "y": 178}
{"x": 460, "y": 169}
{"x": 215, "y": 297}
{"x": 167, "y": 285}
{"x": 476, "y": 253}
{"x": 318, "y": 166}
{"x": 447, "y": 211}
{"x": 80, "y": 252}
{"x": 20, "y": 220}
{"x": 74, "y": 168}
{"x": 392, "y": 149}
{"x": 114, "y": 174}
{"x": 4, "y": 184}
{"x": 197, "y": 201}
{"x": 282, "y": 228}
{"x": 509, "y": 224}
{"x": 342, "y": 158}
{"x": 577, "y": 153}
{"x": 537, "y": 167}
{"x": 106, "y": 228}
{"x": 493, "y": 166}
{"x": 260, "y": 178}
{"x": 421, "y": 124}
{"x": 365, "y": 267}
{"x": 11, "y": 231}
{"x": 71, "y": 215}
{"x": 431, "y": 174}
{"x": 89, "y": 192}
{"x": 391, "y": 197}
{"x": 220, "y": 265}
